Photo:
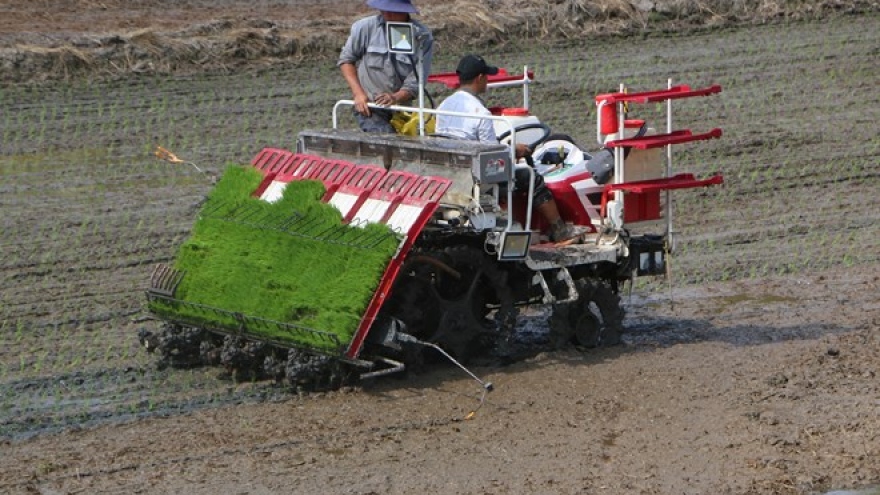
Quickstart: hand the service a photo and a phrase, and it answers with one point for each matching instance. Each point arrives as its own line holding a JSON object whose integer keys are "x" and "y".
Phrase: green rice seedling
{"x": 108, "y": 353}
{"x": 283, "y": 268}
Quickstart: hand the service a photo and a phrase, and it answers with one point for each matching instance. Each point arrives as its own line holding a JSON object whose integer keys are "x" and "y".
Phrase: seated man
{"x": 473, "y": 78}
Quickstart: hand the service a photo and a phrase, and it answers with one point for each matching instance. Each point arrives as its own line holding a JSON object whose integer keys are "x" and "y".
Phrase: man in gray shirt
{"x": 373, "y": 73}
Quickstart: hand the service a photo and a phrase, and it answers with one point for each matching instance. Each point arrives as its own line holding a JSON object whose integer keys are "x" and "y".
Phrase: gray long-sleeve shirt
{"x": 380, "y": 71}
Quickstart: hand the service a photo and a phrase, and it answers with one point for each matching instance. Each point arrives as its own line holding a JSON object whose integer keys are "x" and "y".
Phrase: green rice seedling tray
{"x": 288, "y": 272}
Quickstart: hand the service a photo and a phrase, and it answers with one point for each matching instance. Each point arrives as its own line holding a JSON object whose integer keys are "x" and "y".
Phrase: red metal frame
{"x": 289, "y": 170}
{"x": 391, "y": 189}
{"x": 427, "y": 192}
{"x": 660, "y": 140}
{"x": 450, "y": 79}
{"x": 333, "y": 173}
{"x": 647, "y": 206}
{"x": 270, "y": 159}
{"x": 264, "y": 184}
{"x": 643, "y": 197}
{"x": 310, "y": 168}
{"x": 359, "y": 184}
{"x": 282, "y": 165}
{"x": 673, "y": 93}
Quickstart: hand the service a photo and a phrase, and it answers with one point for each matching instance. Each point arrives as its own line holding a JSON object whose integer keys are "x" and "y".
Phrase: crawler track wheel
{"x": 595, "y": 319}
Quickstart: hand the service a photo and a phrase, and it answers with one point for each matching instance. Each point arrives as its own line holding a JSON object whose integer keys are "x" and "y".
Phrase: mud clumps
{"x": 245, "y": 360}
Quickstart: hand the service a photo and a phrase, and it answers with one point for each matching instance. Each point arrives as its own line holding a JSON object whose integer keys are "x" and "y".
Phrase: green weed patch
{"x": 292, "y": 261}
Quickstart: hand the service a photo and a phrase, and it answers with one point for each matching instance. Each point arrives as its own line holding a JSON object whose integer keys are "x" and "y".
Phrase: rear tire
{"x": 447, "y": 297}
{"x": 595, "y": 319}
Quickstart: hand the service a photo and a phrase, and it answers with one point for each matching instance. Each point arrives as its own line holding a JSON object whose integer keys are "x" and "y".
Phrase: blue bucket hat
{"x": 402, "y": 6}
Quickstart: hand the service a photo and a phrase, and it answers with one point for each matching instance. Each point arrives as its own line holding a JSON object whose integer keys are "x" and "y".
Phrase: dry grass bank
{"x": 84, "y": 38}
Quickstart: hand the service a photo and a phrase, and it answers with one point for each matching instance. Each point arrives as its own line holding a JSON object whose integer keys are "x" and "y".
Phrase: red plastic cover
{"x": 673, "y": 93}
{"x": 658, "y": 140}
{"x": 450, "y": 79}
{"x": 680, "y": 181}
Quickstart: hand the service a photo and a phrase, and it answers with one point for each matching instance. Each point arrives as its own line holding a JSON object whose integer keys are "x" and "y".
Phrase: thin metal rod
{"x": 486, "y": 385}
{"x": 409, "y": 338}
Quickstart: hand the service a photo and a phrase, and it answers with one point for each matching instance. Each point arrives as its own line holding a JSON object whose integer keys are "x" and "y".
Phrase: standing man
{"x": 373, "y": 73}
{"x": 473, "y": 77}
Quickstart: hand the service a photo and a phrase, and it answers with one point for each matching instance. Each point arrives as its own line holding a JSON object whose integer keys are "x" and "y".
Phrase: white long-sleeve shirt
{"x": 473, "y": 128}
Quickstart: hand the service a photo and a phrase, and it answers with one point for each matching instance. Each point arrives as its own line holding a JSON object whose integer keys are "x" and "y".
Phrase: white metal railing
{"x": 525, "y": 81}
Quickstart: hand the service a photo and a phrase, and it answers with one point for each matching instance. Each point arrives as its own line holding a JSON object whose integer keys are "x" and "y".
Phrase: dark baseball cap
{"x": 471, "y": 66}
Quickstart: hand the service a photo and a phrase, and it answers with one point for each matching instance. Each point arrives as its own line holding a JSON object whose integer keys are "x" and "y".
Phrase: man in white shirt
{"x": 473, "y": 75}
